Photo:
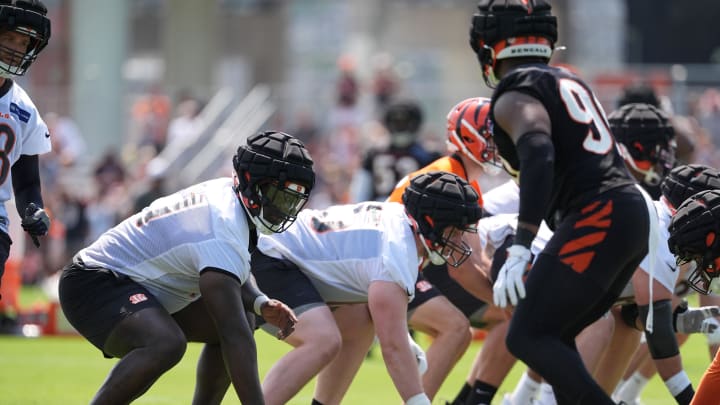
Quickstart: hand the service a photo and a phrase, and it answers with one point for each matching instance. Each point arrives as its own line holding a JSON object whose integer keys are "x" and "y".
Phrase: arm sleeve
{"x": 26, "y": 183}
{"x": 537, "y": 156}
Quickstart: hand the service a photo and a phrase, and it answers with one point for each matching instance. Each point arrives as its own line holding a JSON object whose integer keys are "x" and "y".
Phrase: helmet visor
{"x": 281, "y": 204}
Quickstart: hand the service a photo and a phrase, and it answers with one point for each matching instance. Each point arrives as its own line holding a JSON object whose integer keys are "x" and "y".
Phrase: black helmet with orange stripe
{"x": 273, "y": 178}
{"x": 646, "y": 138}
{"x": 440, "y": 205}
{"x": 695, "y": 237}
{"x": 503, "y": 29}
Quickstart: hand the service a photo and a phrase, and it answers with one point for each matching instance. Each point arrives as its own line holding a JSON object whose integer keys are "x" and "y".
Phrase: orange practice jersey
{"x": 449, "y": 164}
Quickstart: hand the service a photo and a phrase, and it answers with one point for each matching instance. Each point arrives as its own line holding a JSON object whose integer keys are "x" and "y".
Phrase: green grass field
{"x": 68, "y": 370}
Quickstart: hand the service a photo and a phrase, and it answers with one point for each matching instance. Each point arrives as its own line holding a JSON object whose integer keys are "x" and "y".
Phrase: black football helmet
{"x": 646, "y": 139}
{"x": 511, "y": 29}
{"x": 684, "y": 181}
{"x": 403, "y": 120}
{"x": 29, "y": 18}
{"x": 638, "y": 93}
{"x": 695, "y": 237}
{"x": 273, "y": 178}
{"x": 440, "y": 205}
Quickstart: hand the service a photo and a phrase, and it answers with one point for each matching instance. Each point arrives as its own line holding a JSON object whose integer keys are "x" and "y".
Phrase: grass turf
{"x": 68, "y": 370}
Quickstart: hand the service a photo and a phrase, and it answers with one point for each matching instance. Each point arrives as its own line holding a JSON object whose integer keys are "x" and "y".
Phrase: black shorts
{"x": 94, "y": 300}
{"x": 283, "y": 280}
{"x": 424, "y": 291}
{"x": 467, "y": 303}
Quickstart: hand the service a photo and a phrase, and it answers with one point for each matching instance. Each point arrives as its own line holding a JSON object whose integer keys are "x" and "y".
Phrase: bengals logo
{"x": 137, "y": 298}
{"x": 423, "y": 286}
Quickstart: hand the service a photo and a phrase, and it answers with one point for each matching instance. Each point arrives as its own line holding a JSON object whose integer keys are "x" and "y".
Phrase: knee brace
{"x": 662, "y": 342}
{"x": 629, "y": 314}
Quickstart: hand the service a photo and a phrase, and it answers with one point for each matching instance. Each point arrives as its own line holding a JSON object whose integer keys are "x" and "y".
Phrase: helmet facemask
{"x": 274, "y": 207}
{"x": 703, "y": 270}
{"x": 14, "y": 62}
{"x": 280, "y": 204}
{"x": 29, "y": 20}
{"x": 653, "y": 161}
{"x": 448, "y": 248}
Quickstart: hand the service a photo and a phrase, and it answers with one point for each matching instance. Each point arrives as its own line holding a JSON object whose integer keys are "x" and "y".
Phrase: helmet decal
{"x": 469, "y": 133}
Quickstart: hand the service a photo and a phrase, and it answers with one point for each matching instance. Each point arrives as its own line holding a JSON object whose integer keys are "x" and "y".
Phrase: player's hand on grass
{"x": 278, "y": 314}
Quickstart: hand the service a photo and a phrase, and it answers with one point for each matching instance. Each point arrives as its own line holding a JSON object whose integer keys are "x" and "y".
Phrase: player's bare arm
{"x": 388, "y": 309}
{"x": 222, "y": 295}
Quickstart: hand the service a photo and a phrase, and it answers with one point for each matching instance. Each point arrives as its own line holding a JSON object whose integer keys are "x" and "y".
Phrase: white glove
{"x": 692, "y": 319}
{"x": 419, "y": 355}
{"x": 509, "y": 283}
{"x": 711, "y": 331}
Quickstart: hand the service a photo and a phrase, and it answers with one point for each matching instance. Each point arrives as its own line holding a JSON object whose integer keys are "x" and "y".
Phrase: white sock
{"x": 632, "y": 388}
{"x": 547, "y": 395}
{"x": 616, "y": 391}
{"x": 524, "y": 390}
{"x": 677, "y": 383}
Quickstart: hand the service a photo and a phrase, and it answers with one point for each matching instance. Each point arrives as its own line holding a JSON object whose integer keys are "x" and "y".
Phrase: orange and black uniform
{"x": 577, "y": 181}
{"x": 708, "y": 391}
{"x": 439, "y": 280}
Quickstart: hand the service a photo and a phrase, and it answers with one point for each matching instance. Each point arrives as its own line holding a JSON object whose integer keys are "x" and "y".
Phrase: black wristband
{"x": 523, "y": 237}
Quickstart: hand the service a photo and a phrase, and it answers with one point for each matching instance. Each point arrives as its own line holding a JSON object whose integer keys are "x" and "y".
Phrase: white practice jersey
{"x": 666, "y": 269}
{"x": 22, "y": 132}
{"x": 346, "y": 247}
{"x": 503, "y": 199}
{"x": 166, "y": 245}
{"x": 495, "y": 229}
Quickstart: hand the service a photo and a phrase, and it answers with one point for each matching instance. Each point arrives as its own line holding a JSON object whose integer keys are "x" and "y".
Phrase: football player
{"x": 383, "y": 167}
{"x": 24, "y": 33}
{"x": 448, "y": 300}
{"x": 682, "y": 182}
{"x": 646, "y": 138}
{"x": 369, "y": 254}
{"x": 693, "y": 232}
{"x": 552, "y": 134}
{"x": 179, "y": 271}
{"x": 434, "y": 311}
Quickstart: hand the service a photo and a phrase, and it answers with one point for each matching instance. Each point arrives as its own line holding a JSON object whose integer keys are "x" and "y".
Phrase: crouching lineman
{"x": 368, "y": 254}
{"x": 177, "y": 271}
